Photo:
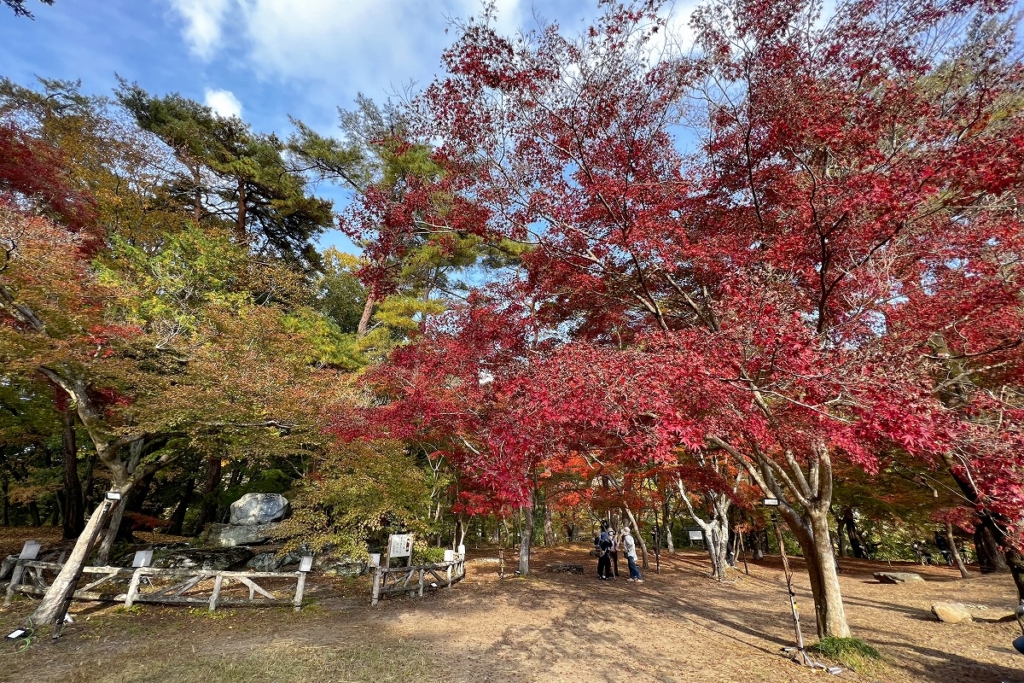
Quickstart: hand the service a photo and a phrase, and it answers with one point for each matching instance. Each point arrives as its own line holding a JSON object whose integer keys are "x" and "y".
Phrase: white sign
{"x": 143, "y": 558}
{"x": 30, "y": 550}
{"x": 400, "y": 545}
{"x": 449, "y": 555}
{"x": 374, "y": 559}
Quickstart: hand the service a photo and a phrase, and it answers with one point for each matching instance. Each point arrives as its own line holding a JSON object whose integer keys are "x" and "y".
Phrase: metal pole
{"x": 801, "y": 653}
{"x": 657, "y": 549}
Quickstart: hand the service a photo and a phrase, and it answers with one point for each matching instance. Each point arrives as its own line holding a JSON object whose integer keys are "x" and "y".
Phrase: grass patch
{"x": 853, "y": 653}
{"x": 134, "y": 609}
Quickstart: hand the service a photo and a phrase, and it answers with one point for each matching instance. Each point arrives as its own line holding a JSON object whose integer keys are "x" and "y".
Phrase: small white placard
{"x": 695, "y": 534}
{"x": 306, "y": 564}
{"x": 374, "y": 559}
{"x": 143, "y": 558}
{"x": 462, "y": 550}
{"x": 14, "y": 635}
{"x": 449, "y": 555}
{"x": 30, "y": 550}
{"x": 400, "y": 545}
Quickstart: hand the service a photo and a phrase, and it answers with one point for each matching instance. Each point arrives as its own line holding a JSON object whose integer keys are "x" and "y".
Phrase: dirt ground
{"x": 676, "y": 626}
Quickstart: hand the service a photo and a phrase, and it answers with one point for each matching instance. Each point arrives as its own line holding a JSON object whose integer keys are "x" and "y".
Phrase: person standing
{"x": 604, "y": 563}
{"x": 629, "y": 547}
{"x": 613, "y": 552}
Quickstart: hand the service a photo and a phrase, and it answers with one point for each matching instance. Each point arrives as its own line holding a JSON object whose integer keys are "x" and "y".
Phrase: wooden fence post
{"x": 421, "y": 582}
{"x": 376, "y": 586}
{"x": 216, "y": 591}
{"x": 19, "y": 570}
{"x": 133, "y": 587}
{"x": 300, "y": 588}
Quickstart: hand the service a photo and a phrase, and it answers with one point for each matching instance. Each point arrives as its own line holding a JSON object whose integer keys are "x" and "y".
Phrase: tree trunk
{"x": 811, "y": 532}
{"x": 7, "y": 504}
{"x": 526, "y": 538}
{"x": 954, "y": 551}
{"x": 809, "y": 523}
{"x": 549, "y": 528}
{"x": 58, "y": 596}
{"x": 197, "y": 180}
{"x": 716, "y": 528}
{"x": 760, "y": 543}
{"x": 33, "y": 510}
{"x": 103, "y": 554}
{"x": 211, "y": 484}
{"x": 666, "y": 525}
{"x": 843, "y": 552}
{"x": 178, "y": 517}
{"x": 856, "y": 540}
{"x": 987, "y": 548}
{"x": 364, "y": 319}
{"x": 88, "y": 497}
{"x": 74, "y": 506}
{"x": 240, "y": 228}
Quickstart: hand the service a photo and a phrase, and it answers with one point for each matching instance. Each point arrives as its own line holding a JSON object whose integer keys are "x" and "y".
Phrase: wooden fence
{"x": 165, "y": 586}
{"x": 414, "y": 580}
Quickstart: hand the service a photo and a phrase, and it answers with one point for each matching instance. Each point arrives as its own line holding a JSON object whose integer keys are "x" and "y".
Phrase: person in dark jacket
{"x": 604, "y": 562}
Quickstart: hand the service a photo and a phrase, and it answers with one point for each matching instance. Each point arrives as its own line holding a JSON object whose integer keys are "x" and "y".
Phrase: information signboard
{"x": 400, "y": 545}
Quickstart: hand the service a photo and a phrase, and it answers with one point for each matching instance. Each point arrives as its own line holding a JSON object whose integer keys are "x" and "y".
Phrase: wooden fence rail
{"x": 413, "y": 580}
{"x": 187, "y": 586}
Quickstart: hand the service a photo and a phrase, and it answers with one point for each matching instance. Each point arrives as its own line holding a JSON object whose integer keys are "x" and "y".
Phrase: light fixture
{"x": 17, "y": 633}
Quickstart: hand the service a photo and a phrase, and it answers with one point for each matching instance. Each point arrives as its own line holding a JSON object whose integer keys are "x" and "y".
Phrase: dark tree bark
{"x": 526, "y": 540}
{"x": 954, "y": 551}
{"x": 849, "y": 524}
{"x": 74, "y": 505}
{"x": 211, "y": 485}
{"x": 33, "y": 511}
{"x": 7, "y": 504}
{"x": 549, "y": 527}
{"x": 364, "y": 319}
{"x": 178, "y": 517}
{"x": 88, "y": 495}
{"x": 987, "y": 548}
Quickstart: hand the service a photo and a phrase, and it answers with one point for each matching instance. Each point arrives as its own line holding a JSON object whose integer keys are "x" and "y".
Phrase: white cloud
{"x": 340, "y": 45}
{"x": 223, "y": 102}
{"x": 203, "y": 19}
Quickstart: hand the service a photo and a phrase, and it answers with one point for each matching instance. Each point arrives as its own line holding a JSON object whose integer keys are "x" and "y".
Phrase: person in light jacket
{"x": 629, "y": 547}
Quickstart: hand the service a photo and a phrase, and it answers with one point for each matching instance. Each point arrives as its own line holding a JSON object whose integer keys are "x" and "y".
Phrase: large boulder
{"x": 218, "y": 560}
{"x": 951, "y": 613}
{"x": 254, "y": 509}
{"x": 231, "y": 535}
{"x": 270, "y": 562}
{"x": 898, "y": 577}
{"x": 340, "y": 566}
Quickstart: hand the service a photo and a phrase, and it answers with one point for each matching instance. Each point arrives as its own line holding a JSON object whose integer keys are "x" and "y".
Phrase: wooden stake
{"x": 216, "y": 591}
{"x": 300, "y": 588}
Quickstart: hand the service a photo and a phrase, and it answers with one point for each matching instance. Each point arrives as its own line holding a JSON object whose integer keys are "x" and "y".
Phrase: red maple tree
{"x": 822, "y": 266}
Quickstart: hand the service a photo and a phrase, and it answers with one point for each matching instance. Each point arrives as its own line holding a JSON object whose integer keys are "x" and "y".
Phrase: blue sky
{"x": 263, "y": 59}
